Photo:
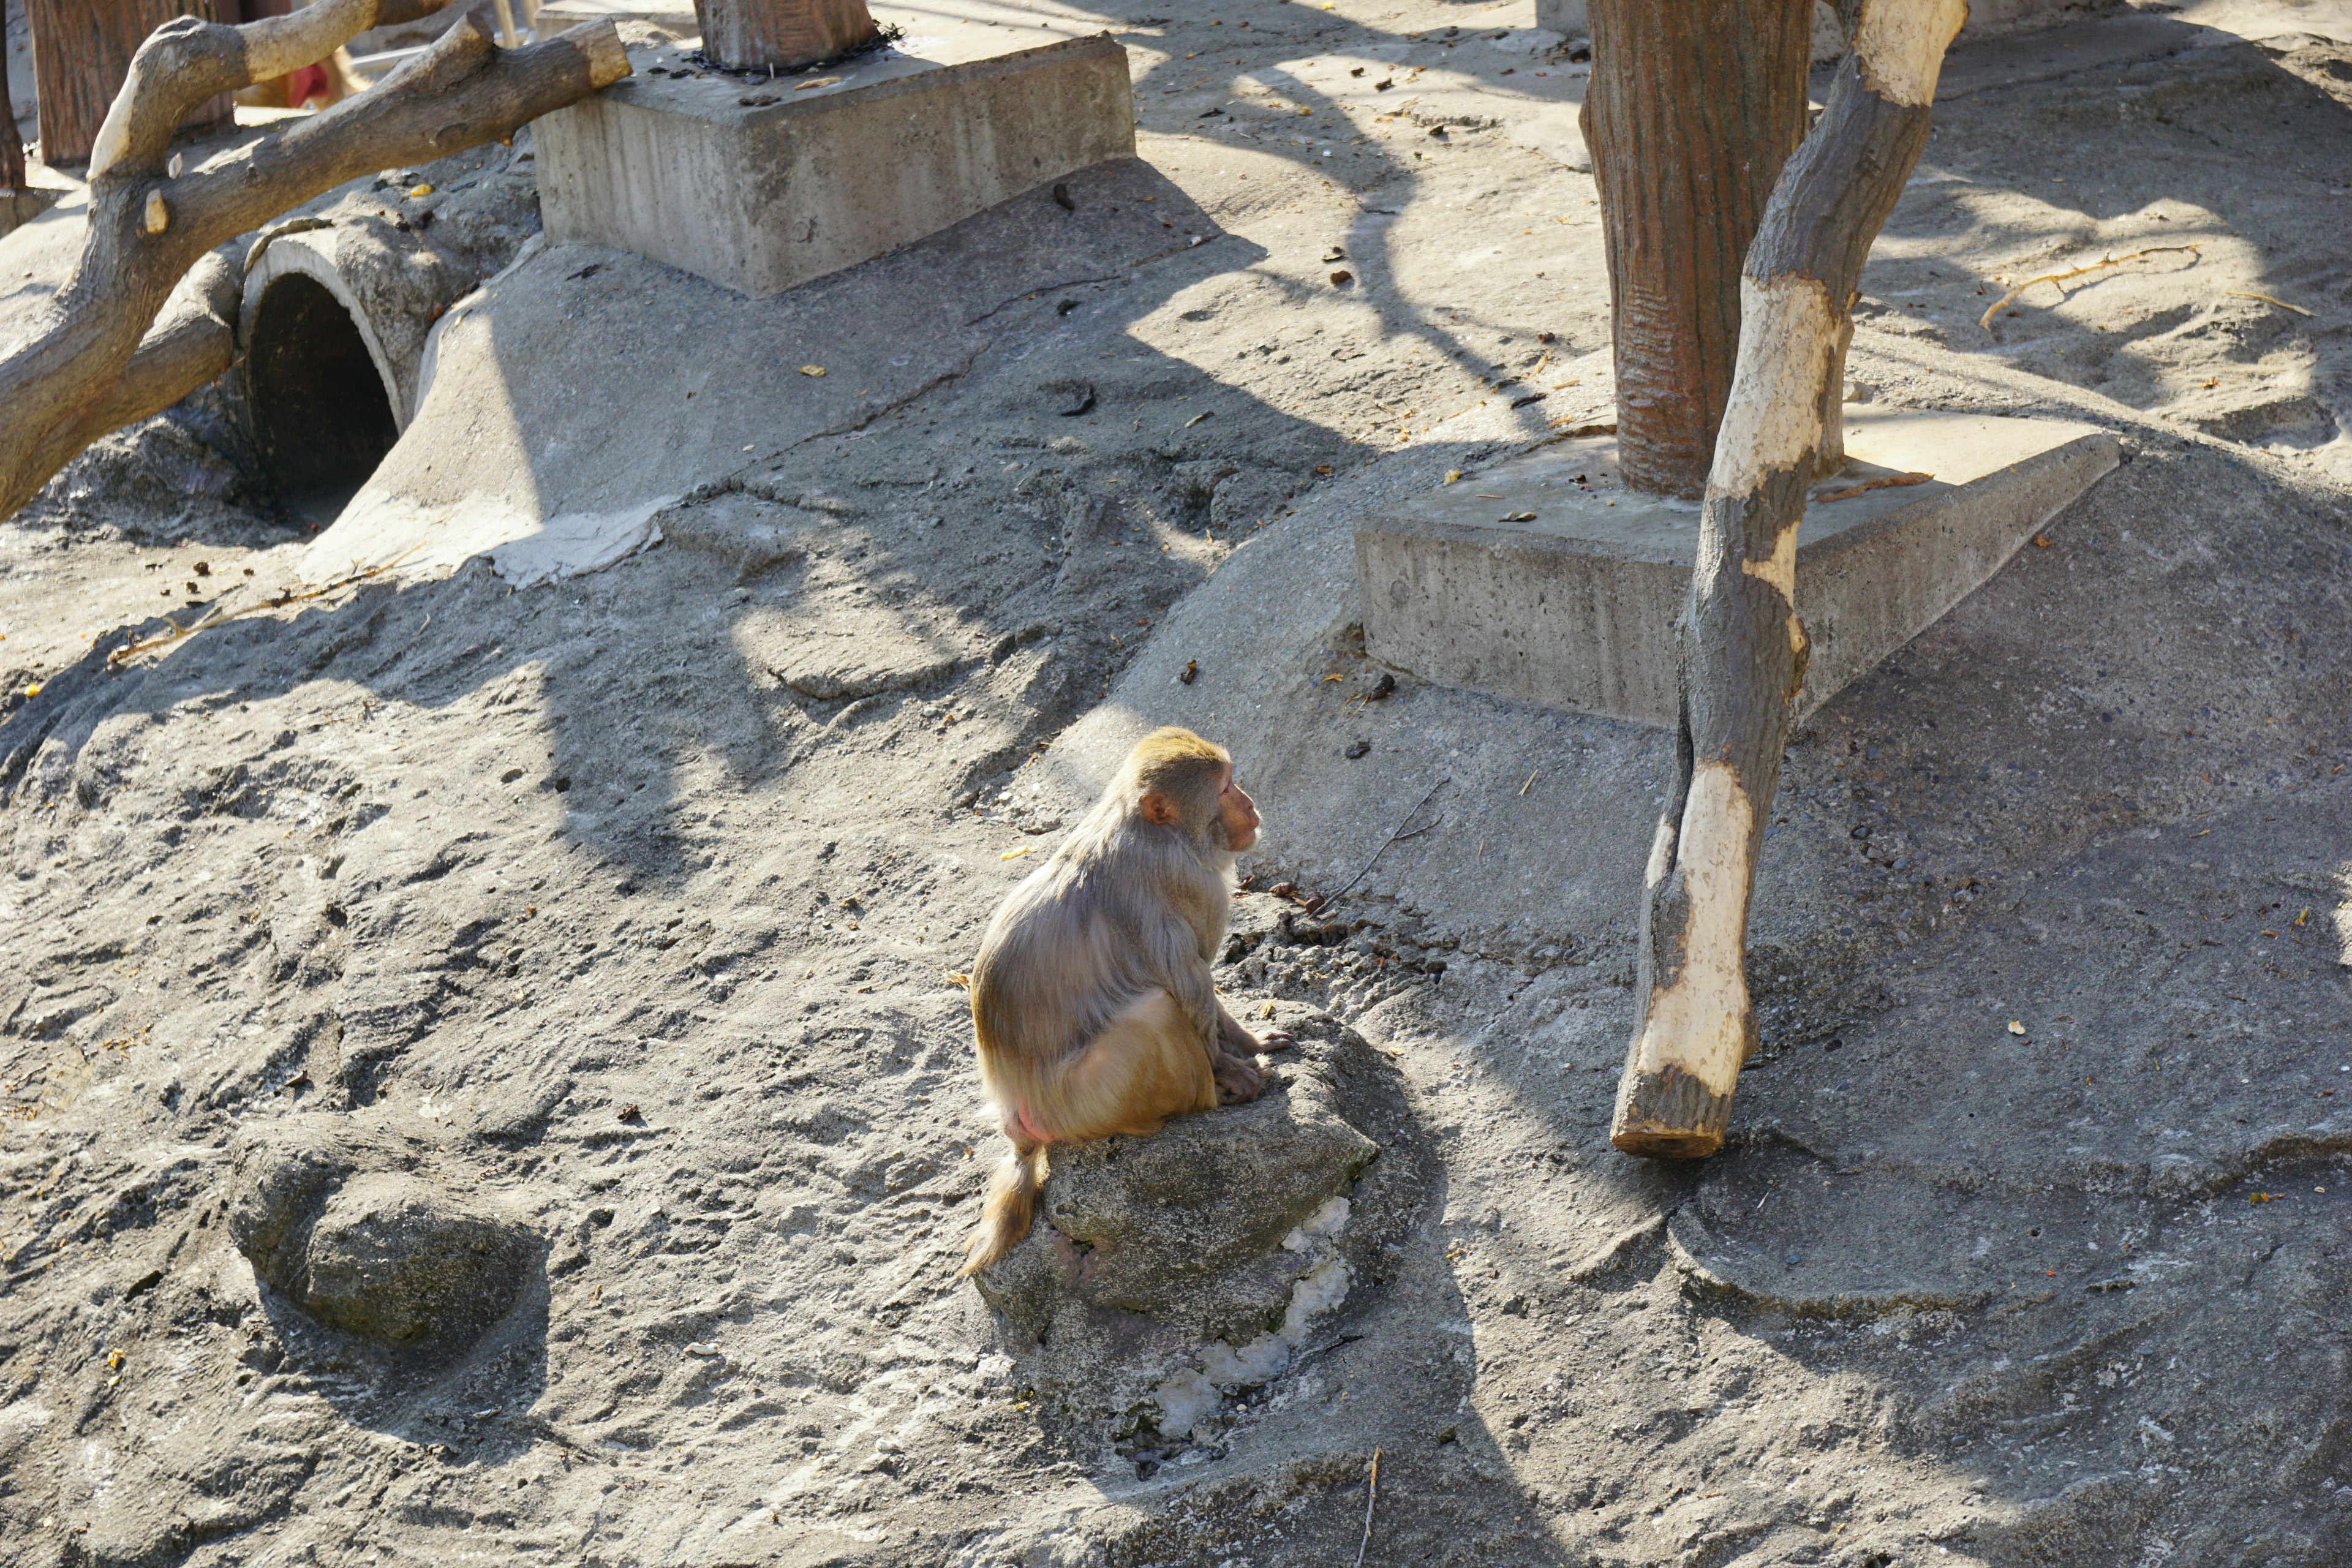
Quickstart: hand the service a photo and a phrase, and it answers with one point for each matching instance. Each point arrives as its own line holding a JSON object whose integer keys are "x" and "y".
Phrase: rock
{"x": 396, "y": 1259}
{"x": 355, "y": 1228}
{"x": 1186, "y": 1226}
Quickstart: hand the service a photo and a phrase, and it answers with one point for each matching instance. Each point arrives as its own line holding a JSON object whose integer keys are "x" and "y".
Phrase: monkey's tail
{"x": 1011, "y": 1200}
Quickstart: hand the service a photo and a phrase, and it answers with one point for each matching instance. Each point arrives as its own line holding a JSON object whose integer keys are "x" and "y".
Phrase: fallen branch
{"x": 1743, "y": 647}
{"x": 1372, "y": 1500}
{"x": 1884, "y": 482}
{"x": 2266, "y": 298}
{"x": 92, "y": 364}
{"x": 1985, "y": 321}
{"x": 1315, "y": 906}
{"x": 218, "y": 616}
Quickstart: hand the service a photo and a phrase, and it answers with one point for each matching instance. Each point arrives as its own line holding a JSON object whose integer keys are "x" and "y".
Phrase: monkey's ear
{"x": 1156, "y": 808}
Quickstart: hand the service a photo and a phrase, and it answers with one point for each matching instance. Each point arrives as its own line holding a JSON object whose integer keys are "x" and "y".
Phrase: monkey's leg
{"x": 1147, "y": 1066}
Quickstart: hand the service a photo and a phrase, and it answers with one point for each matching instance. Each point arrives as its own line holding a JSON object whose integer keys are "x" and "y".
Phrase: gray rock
{"x": 1186, "y": 1226}
{"x": 355, "y": 1229}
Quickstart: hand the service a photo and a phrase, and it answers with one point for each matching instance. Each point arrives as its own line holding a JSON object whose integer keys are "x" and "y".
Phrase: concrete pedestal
{"x": 760, "y": 186}
{"x": 1577, "y": 607}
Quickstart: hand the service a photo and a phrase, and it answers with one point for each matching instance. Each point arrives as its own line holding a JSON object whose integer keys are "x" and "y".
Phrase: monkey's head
{"x": 1176, "y": 779}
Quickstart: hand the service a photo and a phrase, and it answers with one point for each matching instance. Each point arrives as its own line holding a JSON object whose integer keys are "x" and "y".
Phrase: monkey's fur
{"x": 1092, "y": 1003}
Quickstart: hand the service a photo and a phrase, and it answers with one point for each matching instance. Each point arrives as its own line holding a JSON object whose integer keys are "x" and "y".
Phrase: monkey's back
{"x": 1088, "y": 934}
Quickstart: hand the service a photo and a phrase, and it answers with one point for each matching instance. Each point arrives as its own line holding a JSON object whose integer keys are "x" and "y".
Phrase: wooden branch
{"x": 1743, "y": 647}
{"x": 192, "y": 342}
{"x": 1993, "y": 309}
{"x": 146, "y": 229}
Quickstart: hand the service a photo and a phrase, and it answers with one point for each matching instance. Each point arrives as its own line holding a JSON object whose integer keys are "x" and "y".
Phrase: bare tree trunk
{"x": 1743, "y": 647}
{"x": 85, "y": 364}
{"x": 81, "y": 49}
{"x": 747, "y": 35}
{"x": 12, "y": 149}
{"x": 1693, "y": 107}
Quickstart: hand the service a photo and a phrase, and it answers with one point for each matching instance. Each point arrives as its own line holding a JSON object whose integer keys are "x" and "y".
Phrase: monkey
{"x": 1092, "y": 1006}
{"x": 324, "y": 84}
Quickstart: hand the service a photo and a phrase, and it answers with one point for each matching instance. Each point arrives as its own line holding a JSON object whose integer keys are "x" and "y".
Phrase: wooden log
{"x": 1693, "y": 107}
{"x": 1743, "y": 645}
{"x": 753, "y": 34}
{"x": 84, "y": 361}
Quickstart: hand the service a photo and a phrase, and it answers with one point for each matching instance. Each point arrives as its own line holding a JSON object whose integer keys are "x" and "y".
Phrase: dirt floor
{"x": 622, "y": 906}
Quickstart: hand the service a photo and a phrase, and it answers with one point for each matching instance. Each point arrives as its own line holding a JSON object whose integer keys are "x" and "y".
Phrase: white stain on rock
{"x": 1193, "y": 1397}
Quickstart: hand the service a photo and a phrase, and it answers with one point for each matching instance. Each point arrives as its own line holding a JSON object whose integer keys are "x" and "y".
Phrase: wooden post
{"x": 82, "y": 52}
{"x": 750, "y": 34}
{"x": 12, "y": 148}
{"x": 1743, "y": 647}
{"x": 1693, "y": 107}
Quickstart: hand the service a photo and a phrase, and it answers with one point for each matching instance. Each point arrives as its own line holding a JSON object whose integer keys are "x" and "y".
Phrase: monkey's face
{"x": 1236, "y": 815}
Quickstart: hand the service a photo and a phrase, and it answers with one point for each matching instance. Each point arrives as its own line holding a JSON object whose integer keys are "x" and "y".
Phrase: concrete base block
{"x": 1577, "y": 608}
{"x": 760, "y": 186}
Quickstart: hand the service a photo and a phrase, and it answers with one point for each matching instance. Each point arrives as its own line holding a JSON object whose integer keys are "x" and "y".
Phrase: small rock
{"x": 1359, "y": 749}
{"x": 359, "y": 1232}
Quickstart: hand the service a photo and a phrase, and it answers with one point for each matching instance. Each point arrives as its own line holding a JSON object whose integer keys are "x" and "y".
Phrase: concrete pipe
{"x": 334, "y": 325}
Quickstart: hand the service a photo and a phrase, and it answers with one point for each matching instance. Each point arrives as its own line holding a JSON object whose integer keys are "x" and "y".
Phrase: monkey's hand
{"x": 1239, "y": 1079}
{"x": 1234, "y": 1036}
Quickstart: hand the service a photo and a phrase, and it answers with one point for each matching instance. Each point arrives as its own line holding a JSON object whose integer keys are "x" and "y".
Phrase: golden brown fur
{"x": 1092, "y": 1004}
{"x": 328, "y": 83}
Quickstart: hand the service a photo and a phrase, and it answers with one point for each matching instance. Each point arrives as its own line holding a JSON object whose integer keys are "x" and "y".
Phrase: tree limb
{"x": 147, "y": 229}
{"x": 1743, "y": 655}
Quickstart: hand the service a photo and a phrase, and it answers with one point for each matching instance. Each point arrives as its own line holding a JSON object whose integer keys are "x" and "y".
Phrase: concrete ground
{"x": 636, "y": 892}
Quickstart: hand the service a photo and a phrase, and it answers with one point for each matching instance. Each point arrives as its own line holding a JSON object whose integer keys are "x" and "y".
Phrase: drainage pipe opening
{"x": 321, "y": 419}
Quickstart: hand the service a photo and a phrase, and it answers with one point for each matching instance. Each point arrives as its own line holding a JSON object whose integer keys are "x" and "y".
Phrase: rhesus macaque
{"x": 323, "y": 85}
{"x": 1091, "y": 1000}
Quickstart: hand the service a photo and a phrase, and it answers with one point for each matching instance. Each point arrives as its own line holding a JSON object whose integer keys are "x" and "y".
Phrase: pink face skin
{"x": 1238, "y": 813}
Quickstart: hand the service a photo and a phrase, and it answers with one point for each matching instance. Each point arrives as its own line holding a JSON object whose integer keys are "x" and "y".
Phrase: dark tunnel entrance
{"x": 321, "y": 419}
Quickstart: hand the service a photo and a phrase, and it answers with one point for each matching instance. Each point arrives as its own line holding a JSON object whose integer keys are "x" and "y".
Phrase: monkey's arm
{"x": 1175, "y": 953}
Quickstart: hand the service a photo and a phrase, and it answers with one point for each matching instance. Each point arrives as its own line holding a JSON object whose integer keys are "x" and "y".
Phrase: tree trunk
{"x": 81, "y": 49}
{"x": 752, "y": 35}
{"x": 1743, "y": 647}
{"x": 12, "y": 149}
{"x": 1693, "y": 107}
{"x": 85, "y": 370}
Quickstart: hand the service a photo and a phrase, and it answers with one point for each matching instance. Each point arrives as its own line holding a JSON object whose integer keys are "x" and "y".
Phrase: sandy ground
{"x": 633, "y": 897}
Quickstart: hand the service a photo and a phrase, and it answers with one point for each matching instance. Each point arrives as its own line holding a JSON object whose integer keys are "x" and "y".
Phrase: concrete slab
{"x": 1575, "y": 607}
{"x": 761, "y": 186}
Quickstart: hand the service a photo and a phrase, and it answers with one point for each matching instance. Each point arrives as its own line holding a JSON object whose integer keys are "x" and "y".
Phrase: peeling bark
{"x": 1692, "y": 111}
{"x": 1743, "y": 647}
{"x": 83, "y": 368}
